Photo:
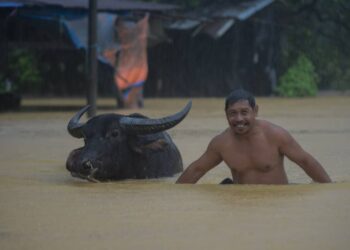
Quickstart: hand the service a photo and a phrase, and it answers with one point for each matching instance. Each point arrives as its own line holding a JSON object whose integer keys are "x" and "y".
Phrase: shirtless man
{"x": 253, "y": 149}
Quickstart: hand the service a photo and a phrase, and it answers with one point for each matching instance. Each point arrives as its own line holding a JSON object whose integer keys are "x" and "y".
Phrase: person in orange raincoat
{"x": 132, "y": 67}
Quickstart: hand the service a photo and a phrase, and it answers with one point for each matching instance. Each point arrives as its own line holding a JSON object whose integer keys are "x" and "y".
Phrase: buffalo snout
{"x": 82, "y": 166}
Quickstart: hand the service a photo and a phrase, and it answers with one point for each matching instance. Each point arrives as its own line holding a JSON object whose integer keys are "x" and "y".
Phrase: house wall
{"x": 201, "y": 66}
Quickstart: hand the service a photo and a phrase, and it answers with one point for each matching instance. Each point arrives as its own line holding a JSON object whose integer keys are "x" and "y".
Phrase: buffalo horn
{"x": 74, "y": 127}
{"x": 135, "y": 125}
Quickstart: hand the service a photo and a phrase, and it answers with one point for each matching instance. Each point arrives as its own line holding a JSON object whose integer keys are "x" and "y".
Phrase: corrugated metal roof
{"x": 102, "y": 5}
{"x": 11, "y": 5}
{"x": 184, "y": 24}
{"x": 215, "y": 28}
{"x": 243, "y": 10}
{"x": 216, "y": 19}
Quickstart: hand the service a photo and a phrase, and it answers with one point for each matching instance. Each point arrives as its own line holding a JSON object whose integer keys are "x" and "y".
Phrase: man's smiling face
{"x": 241, "y": 116}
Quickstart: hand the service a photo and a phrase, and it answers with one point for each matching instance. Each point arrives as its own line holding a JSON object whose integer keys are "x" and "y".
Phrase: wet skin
{"x": 254, "y": 150}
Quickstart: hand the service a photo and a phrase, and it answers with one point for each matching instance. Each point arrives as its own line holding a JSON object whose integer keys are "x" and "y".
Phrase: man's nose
{"x": 239, "y": 117}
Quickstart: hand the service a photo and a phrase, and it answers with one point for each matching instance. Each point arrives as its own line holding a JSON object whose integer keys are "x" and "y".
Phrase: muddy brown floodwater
{"x": 43, "y": 207}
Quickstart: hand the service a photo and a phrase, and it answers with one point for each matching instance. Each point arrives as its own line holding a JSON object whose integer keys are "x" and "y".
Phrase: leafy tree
{"x": 319, "y": 29}
{"x": 24, "y": 72}
{"x": 299, "y": 80}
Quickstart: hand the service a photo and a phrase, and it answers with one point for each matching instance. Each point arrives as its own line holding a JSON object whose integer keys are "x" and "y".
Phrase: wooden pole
{"x": 92, "y": 58}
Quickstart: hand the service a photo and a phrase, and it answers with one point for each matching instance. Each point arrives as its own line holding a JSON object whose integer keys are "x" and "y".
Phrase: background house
{"x": 205, "y": 52}
{"x": 55, "y": 34}
{"x": 217, "y": 48}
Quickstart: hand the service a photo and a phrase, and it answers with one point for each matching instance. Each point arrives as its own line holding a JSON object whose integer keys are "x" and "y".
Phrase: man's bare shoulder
{"x": 273, "y": 130}
{"x": 218, "y": 140}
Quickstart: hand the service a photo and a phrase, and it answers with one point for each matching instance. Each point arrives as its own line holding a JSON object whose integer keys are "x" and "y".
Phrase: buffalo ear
{"x": 156, "y": 145}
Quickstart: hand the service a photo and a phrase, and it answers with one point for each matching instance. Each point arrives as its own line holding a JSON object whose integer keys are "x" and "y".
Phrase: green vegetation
{"x": 320, "y": 30}
{"x": 299, "y": 80}
{"x": 23, "y": 71}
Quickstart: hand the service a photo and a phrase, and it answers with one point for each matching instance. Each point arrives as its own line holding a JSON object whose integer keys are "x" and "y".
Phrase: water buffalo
{"x": 124, "y": 147}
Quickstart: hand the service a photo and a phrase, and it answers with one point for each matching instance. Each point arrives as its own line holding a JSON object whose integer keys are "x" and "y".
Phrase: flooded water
{"x": 43, "y": 207}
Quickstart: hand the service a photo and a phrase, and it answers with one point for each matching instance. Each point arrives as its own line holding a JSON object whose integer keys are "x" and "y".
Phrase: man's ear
{"x": 256, "y": 109}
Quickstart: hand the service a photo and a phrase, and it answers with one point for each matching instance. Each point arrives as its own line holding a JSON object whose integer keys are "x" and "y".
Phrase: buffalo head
{"x": 123, "y": 147}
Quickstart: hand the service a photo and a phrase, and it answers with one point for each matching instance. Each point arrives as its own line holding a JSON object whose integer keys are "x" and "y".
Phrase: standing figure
{"x": 132, "y": 67}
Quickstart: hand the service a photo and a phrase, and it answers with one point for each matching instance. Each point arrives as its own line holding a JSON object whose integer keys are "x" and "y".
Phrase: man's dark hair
{"x": 239, "y": 95}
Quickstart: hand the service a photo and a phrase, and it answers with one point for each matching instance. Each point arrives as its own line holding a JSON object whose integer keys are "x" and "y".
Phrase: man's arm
{"x": 198, "y": 168}
{"x": 290, "y": 148}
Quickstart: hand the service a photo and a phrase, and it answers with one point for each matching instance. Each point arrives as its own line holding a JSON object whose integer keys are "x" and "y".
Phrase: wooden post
{"x": 92, "y": 58}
